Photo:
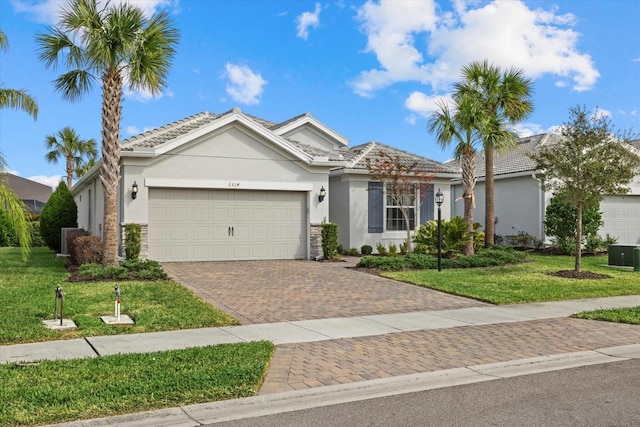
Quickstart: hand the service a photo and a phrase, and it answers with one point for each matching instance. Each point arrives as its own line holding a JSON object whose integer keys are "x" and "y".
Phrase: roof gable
{"x": 358, "y": 157}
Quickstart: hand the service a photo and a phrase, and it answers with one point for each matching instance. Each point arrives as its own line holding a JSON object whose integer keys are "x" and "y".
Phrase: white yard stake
{"x": 117, "y": 289}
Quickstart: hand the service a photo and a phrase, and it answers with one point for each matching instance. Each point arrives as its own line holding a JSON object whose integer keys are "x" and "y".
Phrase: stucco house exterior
{"x": 520, "y": 202}
{"x": 360, "y": 205}
{"x": 233, "y": 186}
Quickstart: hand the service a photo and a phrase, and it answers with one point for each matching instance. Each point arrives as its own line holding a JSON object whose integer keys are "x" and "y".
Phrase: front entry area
{"x": 223, "y": 225}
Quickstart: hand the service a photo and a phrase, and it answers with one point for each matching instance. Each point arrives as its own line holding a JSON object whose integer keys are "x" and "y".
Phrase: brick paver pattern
{"x": 282, "y": 291}
{"x": 315, "y": 364}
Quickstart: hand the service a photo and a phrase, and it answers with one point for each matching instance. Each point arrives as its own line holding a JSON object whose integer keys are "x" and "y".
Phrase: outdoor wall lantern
{"x": 439, "y": 200}
{"x": 323, "y": 193}
{"x": 134, "y": 190}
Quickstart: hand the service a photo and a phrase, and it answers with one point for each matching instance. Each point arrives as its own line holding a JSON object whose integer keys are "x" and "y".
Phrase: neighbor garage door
{"x": 212, "y": 225}
{"x": 621, "y": 218}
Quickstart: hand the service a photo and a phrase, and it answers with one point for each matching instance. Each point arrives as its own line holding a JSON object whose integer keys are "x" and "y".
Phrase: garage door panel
{"x": 196, "y": 224}
{"x": 621, "y": 218}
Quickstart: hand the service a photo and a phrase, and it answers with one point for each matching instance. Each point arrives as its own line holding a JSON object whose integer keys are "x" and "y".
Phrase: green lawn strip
{"x": 58, "y": 391}
{"x": 526, "y": 282}
{"x": 618, "y": 315}
{"x": 28, "y": 297}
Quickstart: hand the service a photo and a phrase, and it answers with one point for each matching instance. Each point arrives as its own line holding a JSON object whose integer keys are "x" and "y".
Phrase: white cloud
{"x": 390, "y": 28}
{"x": 601, "y": 113}
{"x": 413, "y": 43}
{"x": 244, "y": 85}
{"x": 51, "y": 181}
{"x": 423, "y": 104}
{"x": 307, "y": 20}
{"x": 48, "y": 11}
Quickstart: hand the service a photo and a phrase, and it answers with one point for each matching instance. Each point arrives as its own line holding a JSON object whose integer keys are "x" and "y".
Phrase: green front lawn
{"x": 526, "y": 282}
{"x": 27, "y": 295}
{"x": 58, "y": 391}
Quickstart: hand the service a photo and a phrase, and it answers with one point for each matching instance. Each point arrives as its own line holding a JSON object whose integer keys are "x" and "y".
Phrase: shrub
{"x": 98, "y": 271}
{"x": 393, "y": 249}
{"x": 352, "y": 252}
{"x": 404, "y": 247}
{"x": 561, "y": 221}
{"x": 8, "y": 235}
{"x": 59, "y": 212}
{"x": 596, "y": 244}
{"x": 483, "y": 258}
{"x": 329, "y": 240}
{"x": 36, "y": 238}
{"x": 136, "y": 269}
{"x": 454, "y": 236}
{"x": 382, "y": 249}
{"x": 132, "y": 243}
{"x": 521, "y": 241}
{"x": 145, "y": 269}
{"x": 366, "y": 250}
{"x": 72, "y": 235}
{"x": 87, "y": 250}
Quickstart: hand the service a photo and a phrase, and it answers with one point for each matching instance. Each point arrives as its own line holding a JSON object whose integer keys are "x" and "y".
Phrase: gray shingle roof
{"x": 159, "y": 136}
{"x": 34, "y": 194}
{"x": 357, "y": 157}
{"x": 515, "y": 159}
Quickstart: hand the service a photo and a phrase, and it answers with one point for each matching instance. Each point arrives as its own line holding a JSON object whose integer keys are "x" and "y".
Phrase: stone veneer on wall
{"x": 316, "y": 241}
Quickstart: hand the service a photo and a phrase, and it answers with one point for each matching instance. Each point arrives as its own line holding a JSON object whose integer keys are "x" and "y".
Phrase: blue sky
{"x": 371, "y": 71}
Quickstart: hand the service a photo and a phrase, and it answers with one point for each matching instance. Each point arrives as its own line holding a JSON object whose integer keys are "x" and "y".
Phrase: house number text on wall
{"x": 234, "y": 184}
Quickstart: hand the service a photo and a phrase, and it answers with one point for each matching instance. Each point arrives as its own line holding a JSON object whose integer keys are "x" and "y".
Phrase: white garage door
{"x": 621, "y": 218}
{"x": 212, "y": 225}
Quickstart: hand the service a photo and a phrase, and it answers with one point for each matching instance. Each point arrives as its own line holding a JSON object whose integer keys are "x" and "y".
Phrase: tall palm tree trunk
{"x": 69, "y": 169}
{"x": 110, "y": 173}
{"x": 489, "y": 215}
{"x": 468, "y": 184}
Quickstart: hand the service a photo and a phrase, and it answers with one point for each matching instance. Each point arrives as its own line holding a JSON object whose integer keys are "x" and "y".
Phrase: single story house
{"x": 520, "y": 202}
{"x": 33, "y": 194}
{"x": 233, "y": 186}
{"x": 364, "y": 211}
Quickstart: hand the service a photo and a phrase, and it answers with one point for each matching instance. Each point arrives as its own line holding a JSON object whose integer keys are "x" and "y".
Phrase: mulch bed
{"x": 580, "y": 275}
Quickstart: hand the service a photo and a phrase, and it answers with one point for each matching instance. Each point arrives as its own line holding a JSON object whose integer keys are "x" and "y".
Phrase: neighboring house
{"x": 361, "y": 207}
{"x": 233, "y": 186}
{"x": 33, "y": 194}
{"x": 520, "y": 203}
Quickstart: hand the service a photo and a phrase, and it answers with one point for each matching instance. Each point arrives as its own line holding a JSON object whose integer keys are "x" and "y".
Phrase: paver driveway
{"x": 288, "y": 290}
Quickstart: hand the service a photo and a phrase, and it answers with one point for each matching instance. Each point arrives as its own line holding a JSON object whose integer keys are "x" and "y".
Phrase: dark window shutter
{"x": 427, "y": 202}
{"x": 376, "y": 207}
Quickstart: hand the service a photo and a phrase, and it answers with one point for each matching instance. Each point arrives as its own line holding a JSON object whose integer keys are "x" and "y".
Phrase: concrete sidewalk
{"x": 327, "y": 361}
{"x": 305, "y": 330}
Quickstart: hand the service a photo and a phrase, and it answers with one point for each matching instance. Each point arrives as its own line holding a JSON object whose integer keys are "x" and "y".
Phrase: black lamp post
{"x": 439, "y": 200}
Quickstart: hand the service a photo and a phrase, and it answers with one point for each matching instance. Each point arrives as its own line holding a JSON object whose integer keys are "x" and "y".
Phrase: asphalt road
{"x": 597, "y": 395}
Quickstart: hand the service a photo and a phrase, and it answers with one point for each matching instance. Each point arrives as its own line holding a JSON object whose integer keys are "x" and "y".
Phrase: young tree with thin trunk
{"x": 505, "y": 96}
{"x": 402, "y": 181}
{"x": 115, "y": 44}
{"x": 591, "y": 161}
{"x": 68, "y": 145}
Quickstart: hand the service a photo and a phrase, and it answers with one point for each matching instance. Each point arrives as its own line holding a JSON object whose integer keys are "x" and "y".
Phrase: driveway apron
{"x": 290, "y": 290}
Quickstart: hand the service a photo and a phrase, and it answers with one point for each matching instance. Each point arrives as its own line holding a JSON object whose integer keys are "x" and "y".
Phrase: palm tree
{"x": 506, "y": 97}
{"x": 114, "y": 44}
{"x": 17, "y": 99}
{"x": 70, "y": 147}
{"x": 9, "y": 201}
{"x": 461, "y": 124}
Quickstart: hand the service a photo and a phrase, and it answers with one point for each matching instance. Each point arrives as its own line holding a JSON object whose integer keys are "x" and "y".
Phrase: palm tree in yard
{"x": 13, "y": 206}
{"x": 505, "y": 96}
{"x": 68, "y": 145}
{"x": 461, "y": 124}
{"x": 115, "y": 44}
{"x": 17, "y": 99}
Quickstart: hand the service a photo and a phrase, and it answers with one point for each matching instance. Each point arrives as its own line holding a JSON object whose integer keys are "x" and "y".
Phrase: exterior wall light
{"x": 134, "y": 190}
{"x": 323, "y": 193}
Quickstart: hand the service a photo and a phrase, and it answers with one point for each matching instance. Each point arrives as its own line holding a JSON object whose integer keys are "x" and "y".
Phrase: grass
{"x": 618, "y": 315}
{"x": 59, "y": 391}
{"x": 526, "y": 282}
{"x": 28, "y": 297}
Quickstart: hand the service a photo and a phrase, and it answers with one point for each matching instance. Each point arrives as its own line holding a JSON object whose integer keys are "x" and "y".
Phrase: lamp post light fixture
{"x": 134, "y": 190}
{"x": 439, "y": 200}
{"x": 323, "y": 193}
